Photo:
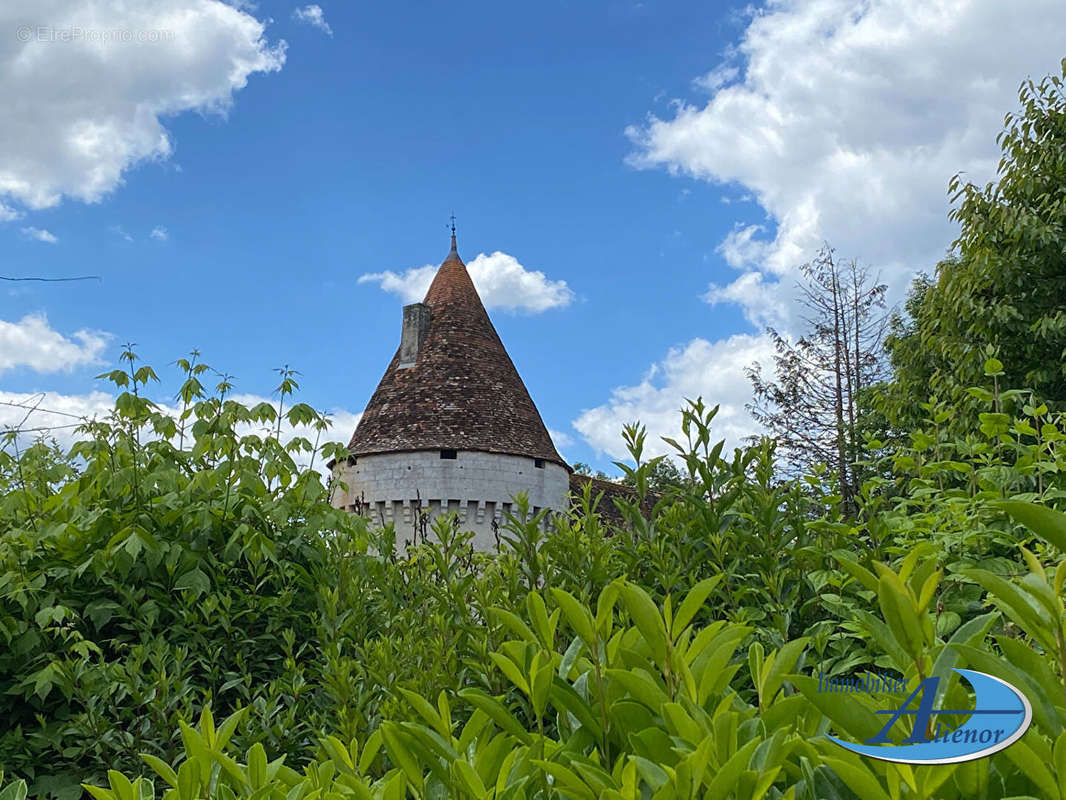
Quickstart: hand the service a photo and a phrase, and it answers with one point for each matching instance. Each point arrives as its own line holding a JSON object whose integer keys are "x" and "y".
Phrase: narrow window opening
{"x": 538, "y": 463}
{"x": 449, "y": 454}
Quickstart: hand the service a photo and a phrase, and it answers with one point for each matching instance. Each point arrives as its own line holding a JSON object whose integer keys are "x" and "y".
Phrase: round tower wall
{"x": 479, "y": 487}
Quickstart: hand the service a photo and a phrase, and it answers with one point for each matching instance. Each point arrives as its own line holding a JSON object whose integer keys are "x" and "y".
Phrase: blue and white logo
{"x": 1001, "y": 714}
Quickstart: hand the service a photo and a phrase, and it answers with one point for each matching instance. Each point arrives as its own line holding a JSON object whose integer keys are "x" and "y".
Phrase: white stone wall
{"x": 390, "y": 487}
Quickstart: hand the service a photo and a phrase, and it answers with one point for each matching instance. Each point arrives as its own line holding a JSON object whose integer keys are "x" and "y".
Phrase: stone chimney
{"x": 415, "y": 326}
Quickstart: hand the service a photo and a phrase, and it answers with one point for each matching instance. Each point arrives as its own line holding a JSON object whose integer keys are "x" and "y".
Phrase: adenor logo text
{"x": 1001, "y": 714}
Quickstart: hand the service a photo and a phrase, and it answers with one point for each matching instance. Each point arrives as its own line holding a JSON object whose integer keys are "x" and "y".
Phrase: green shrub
{"x": 161, "y": 565}
{"x": 167, "y": 565}
{"x": 632, "y": 699}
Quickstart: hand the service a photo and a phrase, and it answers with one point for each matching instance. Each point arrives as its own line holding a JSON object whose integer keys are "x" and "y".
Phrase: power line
{"x": 53, "y": 280}
{"x": 42, "y": 410}
{"x": 38, "y": 430}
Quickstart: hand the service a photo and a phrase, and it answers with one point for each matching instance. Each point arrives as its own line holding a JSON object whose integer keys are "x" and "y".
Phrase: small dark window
{"x": 450, "y": 454}
{"x": 538, "y": 463}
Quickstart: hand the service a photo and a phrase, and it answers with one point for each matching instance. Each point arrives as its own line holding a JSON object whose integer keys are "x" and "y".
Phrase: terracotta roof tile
{"x": 607, "y": 510}
{"x": 463, "y": 392}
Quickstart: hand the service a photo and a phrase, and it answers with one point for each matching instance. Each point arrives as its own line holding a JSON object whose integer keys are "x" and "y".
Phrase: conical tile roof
{"x": 463, "y": 391}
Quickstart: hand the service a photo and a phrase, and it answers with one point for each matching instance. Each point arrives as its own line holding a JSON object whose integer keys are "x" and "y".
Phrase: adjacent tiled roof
{"x": 607, "y": 510}
{"x": 463, "y": 393}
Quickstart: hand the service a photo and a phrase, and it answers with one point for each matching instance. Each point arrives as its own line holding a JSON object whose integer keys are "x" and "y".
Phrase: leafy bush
{"x": 649, "y": 708}
{"x": 172, "y": 563}
{"x": 164, "y": 563}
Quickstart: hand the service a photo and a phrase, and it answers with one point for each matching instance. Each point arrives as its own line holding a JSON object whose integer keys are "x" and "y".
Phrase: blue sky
{"x": 641, "y": 181}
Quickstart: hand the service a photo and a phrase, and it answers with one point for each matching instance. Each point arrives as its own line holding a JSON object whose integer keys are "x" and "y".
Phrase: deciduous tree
{"x": 1004, "y": 288}
{"x": 812, "y": 407}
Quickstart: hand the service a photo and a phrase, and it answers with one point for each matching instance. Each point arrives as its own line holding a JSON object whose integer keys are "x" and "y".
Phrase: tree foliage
{"x": 663, "y": 475}
{"x": 581, "y": 468}
{"x": 1002, "y": 293}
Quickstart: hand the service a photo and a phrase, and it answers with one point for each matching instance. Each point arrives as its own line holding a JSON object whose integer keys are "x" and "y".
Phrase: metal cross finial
{"x": 453, "y": 251}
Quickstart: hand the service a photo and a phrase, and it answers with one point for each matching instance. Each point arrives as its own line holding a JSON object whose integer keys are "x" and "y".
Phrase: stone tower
{"x": 450, "y": 426}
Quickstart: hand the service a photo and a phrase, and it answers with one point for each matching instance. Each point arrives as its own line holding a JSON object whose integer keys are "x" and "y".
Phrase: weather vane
{"x": 452, "y": 218}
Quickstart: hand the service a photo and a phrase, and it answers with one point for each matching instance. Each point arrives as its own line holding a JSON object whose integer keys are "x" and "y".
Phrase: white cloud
{"x": 763, "y": 305}
{"x": 313, "y": 16}
{"x": 711, "y": 370}
{"x": 740, "y": 248}
{"x": 846, "y": 121}
{"x": 85, "y": 85}
{"x": 343, "y": 425}
{"x": 561, "y": 440}
{"x": 40, "y": 234}
{"x": 504, "y": 283}
{"x": 717, "y": 78}
{"x": 120, "y": 232}
{"x": 31, "y": 342}
{"x": 411, "y": 284}
{"x": 159, "y": 233}
{"x": 7, "y": 213}
{"x": 501, "y": 281}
